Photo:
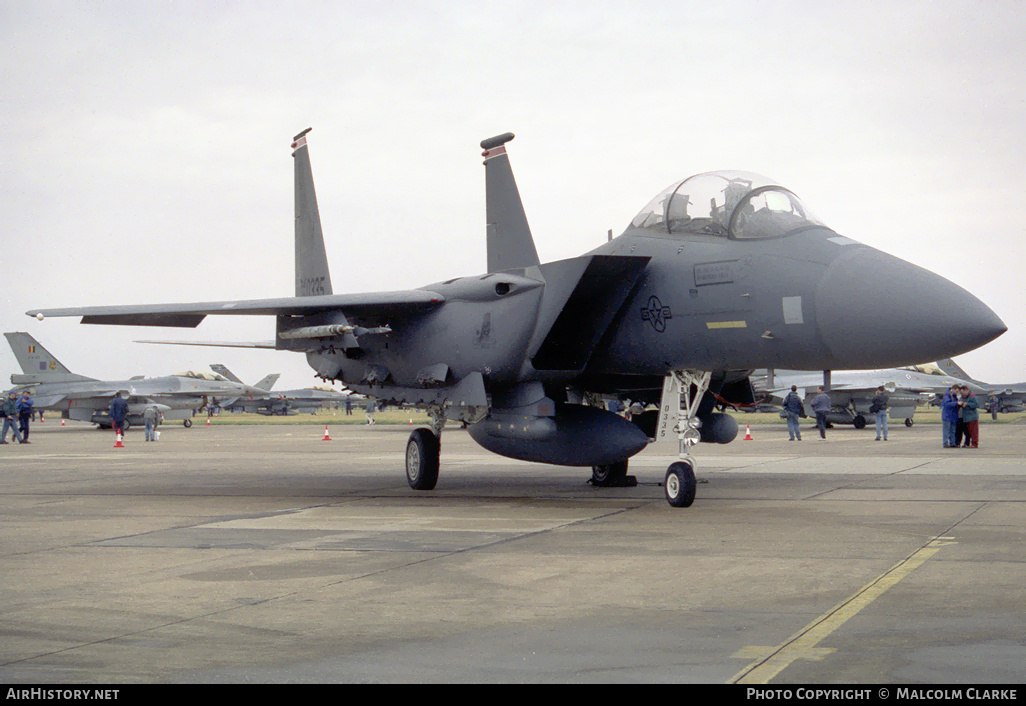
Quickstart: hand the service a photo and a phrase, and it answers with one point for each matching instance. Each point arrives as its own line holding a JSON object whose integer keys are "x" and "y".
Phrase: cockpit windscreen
{"x": 728, "y": 204}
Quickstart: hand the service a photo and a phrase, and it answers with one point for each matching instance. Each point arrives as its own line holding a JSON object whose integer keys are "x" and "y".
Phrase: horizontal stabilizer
{"x": 190, "y": 315}
{"x": 45, "y": 401}
{"x": 102, "y": 393}
{"x": 37, "y": 378}
{"x": 217, "y": 344}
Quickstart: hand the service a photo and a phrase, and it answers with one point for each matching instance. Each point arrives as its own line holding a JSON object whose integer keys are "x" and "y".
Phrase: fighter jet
{"x": 721, "y": 273}
{"x": 851, "y": 391}
{"x": 998, "y": 397}
{"x": 283, "y": 402}
{"x": 54, "y": 387}
{"x": 266, "y": 383}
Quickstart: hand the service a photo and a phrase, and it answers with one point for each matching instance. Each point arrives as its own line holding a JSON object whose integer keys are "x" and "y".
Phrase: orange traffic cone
{"x": 327, "y": 436}
{"x": 117, "y": 443}
{"x": 748, "y": 434}
{"x": 63, "y": 424}
{"x": 208, "y": 421}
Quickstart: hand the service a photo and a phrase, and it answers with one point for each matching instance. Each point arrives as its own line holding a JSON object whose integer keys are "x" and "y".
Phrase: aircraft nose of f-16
{"x": 918, "y": 316}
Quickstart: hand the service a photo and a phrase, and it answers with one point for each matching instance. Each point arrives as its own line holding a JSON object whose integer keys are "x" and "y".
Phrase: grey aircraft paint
{"x": 851, "y": 392}
{"x": 724, "y": 272}
{"x": 281, "y": 402}
{"x": 54, "y": 387}
{"x": 1008, "y": 396}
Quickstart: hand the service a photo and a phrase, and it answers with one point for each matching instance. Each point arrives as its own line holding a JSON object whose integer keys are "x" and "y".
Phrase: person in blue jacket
{"x": 10, "y": 414}
{"x": 821, "y": 406}
{"x": 118, "y": 413}
{"x": 949, "y": 416}
{"x": 793, "y": 408}
{"x": 24, "y": 413}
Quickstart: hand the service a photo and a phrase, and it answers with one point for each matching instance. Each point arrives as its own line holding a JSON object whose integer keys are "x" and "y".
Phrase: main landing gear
{"x": 612, "y": 476}
{"x": 679, "y": 414}
{"x": 422, "y": 452}
{"x": 683, "y": 391}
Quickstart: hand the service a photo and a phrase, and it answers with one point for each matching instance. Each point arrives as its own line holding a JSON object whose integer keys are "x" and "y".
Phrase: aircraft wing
{"x": 1009, "y": 400}
{"x": 374, "y": 305}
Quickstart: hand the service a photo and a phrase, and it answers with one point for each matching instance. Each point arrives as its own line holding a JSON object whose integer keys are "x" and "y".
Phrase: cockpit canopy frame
{"x": 726, "y": 204}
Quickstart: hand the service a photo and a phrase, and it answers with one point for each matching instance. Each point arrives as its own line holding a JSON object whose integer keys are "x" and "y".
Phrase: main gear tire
{"x": 422, "y": 452}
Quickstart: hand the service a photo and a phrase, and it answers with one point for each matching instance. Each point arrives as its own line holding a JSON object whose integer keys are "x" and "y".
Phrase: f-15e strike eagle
{"x": 282, "y": 402}
{"x": 721, "y": 273}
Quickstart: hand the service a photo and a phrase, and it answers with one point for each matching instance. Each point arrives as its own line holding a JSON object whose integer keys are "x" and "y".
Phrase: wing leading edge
{"x": 376, "y": 305}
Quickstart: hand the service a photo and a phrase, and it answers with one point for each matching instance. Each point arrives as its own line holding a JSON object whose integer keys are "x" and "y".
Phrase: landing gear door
{"x": 669, "y": 409}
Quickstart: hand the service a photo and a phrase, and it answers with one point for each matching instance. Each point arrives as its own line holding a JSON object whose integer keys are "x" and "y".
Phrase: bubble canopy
{"x": 726, "y": 204}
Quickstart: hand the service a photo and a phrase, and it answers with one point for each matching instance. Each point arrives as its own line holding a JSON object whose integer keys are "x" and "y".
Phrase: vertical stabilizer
{"x": 510, "y": 244}
{"x": 222, "y": 369}
{"x": 32, "y": 357}
{"x": 950, "y": 367}
{"x": 268, "y": 382}
{"x": 312, "y": 276}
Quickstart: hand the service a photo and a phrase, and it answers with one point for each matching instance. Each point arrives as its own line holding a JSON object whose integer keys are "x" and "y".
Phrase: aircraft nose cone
{"x": 918, "y": 316}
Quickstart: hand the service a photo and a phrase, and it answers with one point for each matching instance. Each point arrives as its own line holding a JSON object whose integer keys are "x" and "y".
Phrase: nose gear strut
{"x": 678, "y": 413}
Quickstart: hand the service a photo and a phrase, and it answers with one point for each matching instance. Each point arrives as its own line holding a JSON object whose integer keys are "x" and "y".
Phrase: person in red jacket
{"x": 971, "y": 416}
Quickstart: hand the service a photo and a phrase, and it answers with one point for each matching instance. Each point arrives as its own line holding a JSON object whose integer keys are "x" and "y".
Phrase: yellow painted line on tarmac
{"x": 772, "y": 661}
{"x": 725, "y": 324}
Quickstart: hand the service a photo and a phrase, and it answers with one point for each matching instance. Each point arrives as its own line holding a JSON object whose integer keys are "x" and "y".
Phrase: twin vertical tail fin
{"x": 312, "y": 277}
{"x": 510, "y": 244}
{"x": 265, "y": 384}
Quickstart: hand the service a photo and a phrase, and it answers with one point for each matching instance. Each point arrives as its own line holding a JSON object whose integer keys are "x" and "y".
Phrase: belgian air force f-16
{"x": 54, "y": 387}
{"x": 719, "y": 274}
{"x": 998, "y": 397}
{"x": 851, "y": 391}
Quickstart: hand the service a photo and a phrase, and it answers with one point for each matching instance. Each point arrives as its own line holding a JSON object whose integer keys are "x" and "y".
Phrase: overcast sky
{"x": 146, "y": 145}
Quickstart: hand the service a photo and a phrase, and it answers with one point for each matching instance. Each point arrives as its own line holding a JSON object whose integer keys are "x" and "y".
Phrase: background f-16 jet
{"x": 283, "y": 402}
{"x": 1009, "y": 397}
{"x": 719, "y": 274}
{"x": 851, "y": 391}
{"x": 54, "y": 387}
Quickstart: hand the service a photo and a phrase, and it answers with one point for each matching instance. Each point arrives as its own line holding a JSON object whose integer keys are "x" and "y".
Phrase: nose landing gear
{"x": 678, "y": 413}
